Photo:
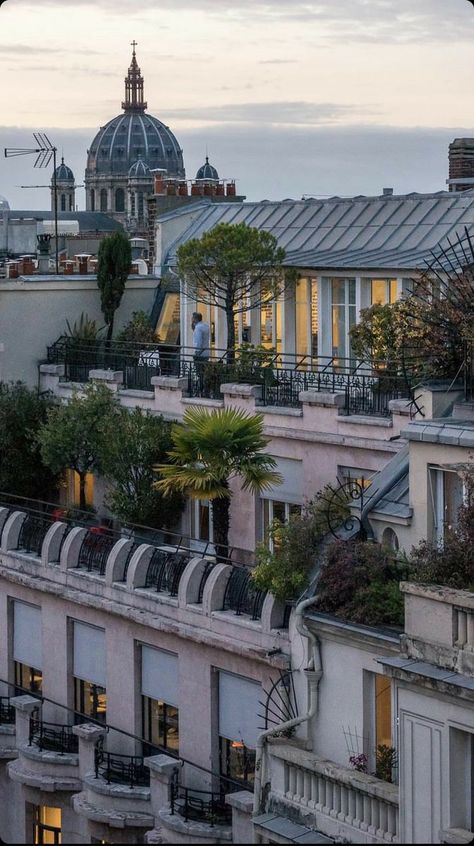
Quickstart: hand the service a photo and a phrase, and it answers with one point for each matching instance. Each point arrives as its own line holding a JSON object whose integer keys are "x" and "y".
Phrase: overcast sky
{"x": 291, "y": 98}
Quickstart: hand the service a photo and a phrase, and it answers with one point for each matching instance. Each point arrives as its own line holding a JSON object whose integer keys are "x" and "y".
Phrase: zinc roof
{"x": 88, "y": 221}
{"x": 391, "y": 231}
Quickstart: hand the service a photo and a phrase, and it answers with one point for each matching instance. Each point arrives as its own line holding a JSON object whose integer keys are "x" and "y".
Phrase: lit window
{"x": 90, "y": 700}
{"x": 46, "y": 825}
{"x": 384, "y": 291}
{"x": 274, "y": 510}
{"x": 160, "y": 725}
{"x": 73, "y": 488}
{"x": 27, "y": 678}
{"x": 343, "y": 293}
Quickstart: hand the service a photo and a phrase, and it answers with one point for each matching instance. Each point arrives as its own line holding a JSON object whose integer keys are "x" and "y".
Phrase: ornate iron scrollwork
{"x": 340, "y": 518}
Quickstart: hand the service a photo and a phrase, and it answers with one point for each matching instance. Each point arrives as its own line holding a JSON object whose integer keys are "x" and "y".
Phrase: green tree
{"x": 22, "y": 470}
{"x": 113, "y": 267}
{"x": 210, "y": 449}
{"x": 231, "y": 266}
{"x": 135, "y": 443}
{"x": 74, "y": 433}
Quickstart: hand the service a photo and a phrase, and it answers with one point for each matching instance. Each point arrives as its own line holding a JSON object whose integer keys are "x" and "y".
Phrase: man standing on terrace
{"x": 200, "y": 337}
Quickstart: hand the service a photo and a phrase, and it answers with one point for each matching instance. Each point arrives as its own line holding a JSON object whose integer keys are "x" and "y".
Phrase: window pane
{"x": 237, "y": 761}
{"x": 314, "y": 318}
{"x": 383, "y": 711}
{"x": 338, "y": 331}
{"x": 393, "y": 290}
{"x": 279, "y": 512}
{"x": 379, "y": 291}
{"x": 338, "y": 292}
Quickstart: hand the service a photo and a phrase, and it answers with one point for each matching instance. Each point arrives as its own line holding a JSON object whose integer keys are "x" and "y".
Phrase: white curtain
{"x": 89, "y": 654}
{"x": 27, "y": 635}
{"x": 239, "y": 709}
{"x": 160, "y": 675}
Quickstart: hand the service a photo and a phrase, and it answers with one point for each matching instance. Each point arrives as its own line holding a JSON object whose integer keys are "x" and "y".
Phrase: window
{"x": 120, "y": 200}
{"x": 384, "y": 291}
{"x": 201, "y": 520}
{"x": 46, "y": 824}
{"x": 89, "y": 671}
{"x": 390, "y": 539}
{"x": 383, "y": 711}
{"x": 72, "y": 488}
{"x": 103, "y": 200}
{"x": 358, "y": 475}
{"x": 92, "y": 195}
{"x": 140, "y": 205}
{"x": 446, "y": 493}
{"x": 63, "y": 202}
{"x": 27, "y": 646}
{"x": 159, "y": 687}
{"x": 90, "y": 700}
{"x": 239, "y": 707}
{"x": 271, "y": 325}
{"x": 306, "y": 318}
{"x": 343, "y": 293}
{"x": 167, "y": 328}
{"x": 160, "y": 725}
{"x": 274, "y": 510}
{"x": 461, "y": 781}
{"x": 27, "y": 678}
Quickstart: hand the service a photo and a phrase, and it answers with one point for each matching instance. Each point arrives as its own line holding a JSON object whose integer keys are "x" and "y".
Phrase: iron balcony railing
{"x": 95, "y": 549}
{"x": 120, "y": 769}
{"x": 241, "y": 594}
{"x": 7, "y": 711}
{"x": 32, "y": 533}
{"x": 165, "y": 570}
{"x": 200, "y": 805}
{"x": 469, "y": 371}
{"x": 367, "y": 386}
{"x": 52, "y": 737}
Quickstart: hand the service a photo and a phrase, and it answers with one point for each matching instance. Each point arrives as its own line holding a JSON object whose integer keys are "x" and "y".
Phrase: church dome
{"x": 64, "y": 173}
{"x": 133, "y": 135}
{"x": 139, "y": 169}
{"x": 4, "y": 204}
{"x": 207, "y": 172}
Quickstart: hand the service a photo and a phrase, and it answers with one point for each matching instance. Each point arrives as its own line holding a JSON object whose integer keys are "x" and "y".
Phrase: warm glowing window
{"x": 167, "y": 328}
{"x": 343, "y": 292}
{"x": 27, "y": 678}
{"x": 47, "y": 825}
{"x": 275, "y": 510}
{"x": 160, "y": 725}
{"x": 384, "y": 291}
{"x": 383, "y": 711}
{"x": 90, "y": 700}
{"x": 73, "y": 488}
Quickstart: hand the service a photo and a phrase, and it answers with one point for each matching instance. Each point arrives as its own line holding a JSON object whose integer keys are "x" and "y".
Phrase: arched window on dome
{"x": 140, "y": 205}
{"x": 103, "y": 200}
{"x": 63, "y": 202}
{"x": 92, "y": 195}
{"x": 132, "y": 204}
{"x": 119, "y": 200}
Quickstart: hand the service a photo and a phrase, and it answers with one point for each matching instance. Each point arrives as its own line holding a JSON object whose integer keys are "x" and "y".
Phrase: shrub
{"x": 138, "y": 330}
{"x": 359, "y": 581}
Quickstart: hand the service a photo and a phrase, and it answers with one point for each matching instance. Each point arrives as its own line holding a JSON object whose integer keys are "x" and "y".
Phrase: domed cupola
{"x": 65, "y": 188}
{"x": 139, "y": 170}
{"x": 207, "y": 173}
{"x": 126, "y": 146}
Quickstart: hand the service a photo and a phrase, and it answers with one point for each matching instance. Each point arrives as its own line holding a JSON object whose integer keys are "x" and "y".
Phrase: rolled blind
{"x": 291, "y": 489}
{"x": 89, "y": 653}
{"x": 27, "y": 635}
{"x": 239, "y": 707}
{"x": 160, "y": 675}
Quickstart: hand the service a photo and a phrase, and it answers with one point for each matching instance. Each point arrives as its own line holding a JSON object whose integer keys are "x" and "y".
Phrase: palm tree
{"x": 209, "y": 449}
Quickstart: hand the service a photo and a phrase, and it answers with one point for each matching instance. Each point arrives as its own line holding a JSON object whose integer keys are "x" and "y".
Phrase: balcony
{"x": 7, "y": 730}
{"x": 365, "y": 388}
{"x": 339, "y": 802}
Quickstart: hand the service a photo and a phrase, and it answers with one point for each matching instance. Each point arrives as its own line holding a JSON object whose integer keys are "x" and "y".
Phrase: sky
{"x": 290, "y": 98}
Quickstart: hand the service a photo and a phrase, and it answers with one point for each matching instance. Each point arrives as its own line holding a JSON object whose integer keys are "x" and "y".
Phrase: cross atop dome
{"x": 134, "y": 101}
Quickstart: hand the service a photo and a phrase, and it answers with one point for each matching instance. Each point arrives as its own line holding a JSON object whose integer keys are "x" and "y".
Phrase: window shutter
{"x": 239, "y": 709}
{"x": 27, "y": 635}
{"x": 291, "y": 490}
{"x": 160, "y": 675}
{"x": 89, "y": 654}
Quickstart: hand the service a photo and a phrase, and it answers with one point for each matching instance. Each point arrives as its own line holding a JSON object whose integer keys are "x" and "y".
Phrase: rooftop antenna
{"x": 44, "y": 151}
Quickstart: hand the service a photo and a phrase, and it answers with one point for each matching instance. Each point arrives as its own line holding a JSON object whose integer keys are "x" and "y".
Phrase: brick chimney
{"x": 461, "y": 164}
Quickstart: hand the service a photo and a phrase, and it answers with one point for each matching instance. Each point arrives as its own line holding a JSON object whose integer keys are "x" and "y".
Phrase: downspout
{"x": 313, "y": 673}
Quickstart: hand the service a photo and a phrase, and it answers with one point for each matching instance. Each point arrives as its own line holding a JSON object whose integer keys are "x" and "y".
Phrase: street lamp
{"x": 45, "y": 151}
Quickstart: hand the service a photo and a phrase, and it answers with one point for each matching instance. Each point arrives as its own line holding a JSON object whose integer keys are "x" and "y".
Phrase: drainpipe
{"x": 313, "y": 673}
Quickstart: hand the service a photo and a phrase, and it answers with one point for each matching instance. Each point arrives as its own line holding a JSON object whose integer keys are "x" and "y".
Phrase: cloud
{"x": 274, "y": 113}
{"x": 392, "y": 21}
{"x": 277, "y": 62}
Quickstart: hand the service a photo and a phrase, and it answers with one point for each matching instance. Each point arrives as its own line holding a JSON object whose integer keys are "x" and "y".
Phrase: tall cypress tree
{"x": 114, "y": 263}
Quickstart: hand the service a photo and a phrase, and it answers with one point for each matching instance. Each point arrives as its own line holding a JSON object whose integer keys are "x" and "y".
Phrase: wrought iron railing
{"x": 469, "y": 371}
{"x": 7, "y": 711}
{"x": 52, "y": 737}
{"x": 120, "y": 769}
{"x": 200, "y": 805}
{"x": 367, "y": 386}
{"x": 241, "y": 594}
{"x": 95, "y": 549}
{"x": 165, "y": 570}
{"x": 32, "y": 532}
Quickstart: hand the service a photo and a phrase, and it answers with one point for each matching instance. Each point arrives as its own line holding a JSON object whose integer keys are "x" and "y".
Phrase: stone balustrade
{"x": 339, "y": 801}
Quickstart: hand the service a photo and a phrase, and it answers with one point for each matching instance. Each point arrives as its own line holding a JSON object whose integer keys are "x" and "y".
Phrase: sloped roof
{"x": 393, "y": 481}
{"x": 396, "y": 232}
{"x": 88, "y": 221}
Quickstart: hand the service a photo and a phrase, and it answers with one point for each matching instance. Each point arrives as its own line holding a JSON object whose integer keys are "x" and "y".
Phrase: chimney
{"x": 387, "y": 192}
{"x": 461, "y": 164}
